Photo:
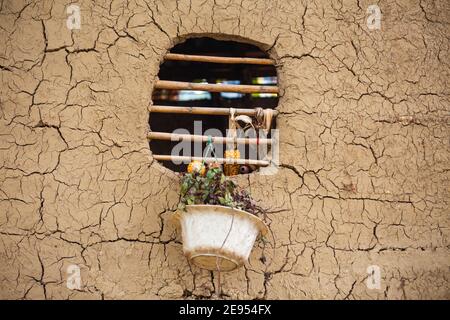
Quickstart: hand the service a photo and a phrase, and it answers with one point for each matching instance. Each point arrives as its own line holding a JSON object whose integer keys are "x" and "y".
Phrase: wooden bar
{"x": 216, "y": 59}
{"x": 203, "y": 110}
{"x": 200, "y": 138}
{"x": 179, "y": 85}
{"x": 261, "y": 163}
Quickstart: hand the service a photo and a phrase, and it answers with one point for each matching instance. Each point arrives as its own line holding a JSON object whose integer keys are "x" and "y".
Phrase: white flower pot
{"x": 218, "y": 237}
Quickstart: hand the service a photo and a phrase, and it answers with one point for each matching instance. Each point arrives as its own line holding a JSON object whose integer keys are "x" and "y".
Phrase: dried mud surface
{"x": 364, "y": 149}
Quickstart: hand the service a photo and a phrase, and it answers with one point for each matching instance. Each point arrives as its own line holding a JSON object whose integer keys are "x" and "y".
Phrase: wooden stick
{"x": 179, "y": 85}
{"x": 261, "y": 163}
{"x": 216, "y": 59}
{"x": 199, "y": 138}
{"x": 203, "y": 110}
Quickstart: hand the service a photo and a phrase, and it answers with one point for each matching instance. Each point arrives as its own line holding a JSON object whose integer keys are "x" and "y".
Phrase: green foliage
{"x": 214, "y": 188}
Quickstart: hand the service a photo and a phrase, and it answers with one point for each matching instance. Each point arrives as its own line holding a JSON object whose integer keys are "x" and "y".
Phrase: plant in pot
{"x": 219, "y": 221}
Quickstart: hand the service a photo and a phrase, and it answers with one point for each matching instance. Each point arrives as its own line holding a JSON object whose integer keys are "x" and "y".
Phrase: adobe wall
{"x": 364, "y": 150}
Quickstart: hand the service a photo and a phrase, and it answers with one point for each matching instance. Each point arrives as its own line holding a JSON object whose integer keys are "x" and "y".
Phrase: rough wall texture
{"x": 364, "y": 149}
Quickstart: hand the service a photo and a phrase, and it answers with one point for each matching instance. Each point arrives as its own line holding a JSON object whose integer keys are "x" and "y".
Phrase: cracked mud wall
{"x": 364, "y": 149}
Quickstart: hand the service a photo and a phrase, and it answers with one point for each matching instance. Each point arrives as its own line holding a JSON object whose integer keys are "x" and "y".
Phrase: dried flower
{"x": 214, "y": 188}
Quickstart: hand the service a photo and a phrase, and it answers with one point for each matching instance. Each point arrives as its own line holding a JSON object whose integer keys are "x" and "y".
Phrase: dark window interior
{"x": 209, "y": 73}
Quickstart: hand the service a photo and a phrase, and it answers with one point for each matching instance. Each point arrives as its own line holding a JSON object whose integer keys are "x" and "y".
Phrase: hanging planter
{"x": 218, "y": 221}
{"x": 218, "y": 238}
